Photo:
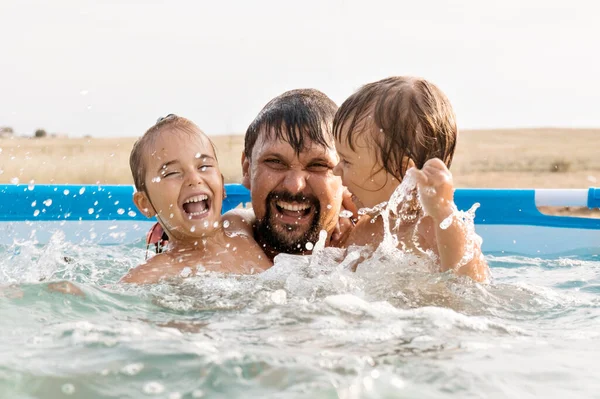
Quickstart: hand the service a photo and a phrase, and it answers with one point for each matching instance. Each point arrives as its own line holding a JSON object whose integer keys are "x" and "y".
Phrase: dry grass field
{"x": 519, "y": 158}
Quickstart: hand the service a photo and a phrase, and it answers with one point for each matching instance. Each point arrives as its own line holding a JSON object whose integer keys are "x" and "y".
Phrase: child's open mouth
{"x": 293, "y": 212}
{"x": 196, "y": 207}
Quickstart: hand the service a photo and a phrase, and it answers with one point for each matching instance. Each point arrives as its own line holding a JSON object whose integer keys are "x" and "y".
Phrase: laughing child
{"x": 177, "y": 179}
{"x": 391, "y": 129}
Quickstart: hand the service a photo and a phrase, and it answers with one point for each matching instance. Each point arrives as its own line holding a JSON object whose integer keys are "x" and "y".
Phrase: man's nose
{"x": 295, "y": 181}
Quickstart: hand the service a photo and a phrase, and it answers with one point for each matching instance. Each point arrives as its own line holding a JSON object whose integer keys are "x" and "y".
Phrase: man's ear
{"x": 245, "y": 171}
{"x": 141, "y": 200}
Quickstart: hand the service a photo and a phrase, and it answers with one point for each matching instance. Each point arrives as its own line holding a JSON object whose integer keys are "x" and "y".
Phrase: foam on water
{"x": 307, "y": 327}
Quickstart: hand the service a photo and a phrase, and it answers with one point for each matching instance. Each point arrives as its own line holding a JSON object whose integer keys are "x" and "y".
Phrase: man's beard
{"x": 282, "y": 241}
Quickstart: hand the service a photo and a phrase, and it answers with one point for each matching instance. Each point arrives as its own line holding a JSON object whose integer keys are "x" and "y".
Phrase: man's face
{"x": 293, "y": 197}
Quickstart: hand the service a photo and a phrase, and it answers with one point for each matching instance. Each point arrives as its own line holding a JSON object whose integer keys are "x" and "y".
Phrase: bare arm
{"x": 458, "y": 247}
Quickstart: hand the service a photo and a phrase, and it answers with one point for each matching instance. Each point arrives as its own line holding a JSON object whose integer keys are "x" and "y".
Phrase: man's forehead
{"x": 266, "y": 144}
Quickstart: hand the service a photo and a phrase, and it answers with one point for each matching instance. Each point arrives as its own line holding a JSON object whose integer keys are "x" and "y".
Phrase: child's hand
{"x": 345, "y": 224}
{"x": 436, "y": 189}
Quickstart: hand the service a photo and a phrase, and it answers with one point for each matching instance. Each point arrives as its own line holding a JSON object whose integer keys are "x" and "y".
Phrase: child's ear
{"x": 245, "y": 171}
{"x": 141, "y": 200}
{"x": 223, "y": 182}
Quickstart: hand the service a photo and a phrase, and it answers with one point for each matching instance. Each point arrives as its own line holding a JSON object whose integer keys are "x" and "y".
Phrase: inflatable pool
{"x": 508, "y": 220}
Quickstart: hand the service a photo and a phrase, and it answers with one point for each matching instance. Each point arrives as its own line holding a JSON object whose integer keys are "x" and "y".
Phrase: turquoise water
{"x": 307, "y": 328}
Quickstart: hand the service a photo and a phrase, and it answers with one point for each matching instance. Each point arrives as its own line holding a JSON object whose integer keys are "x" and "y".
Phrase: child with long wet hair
{"x": 405, "y": 128}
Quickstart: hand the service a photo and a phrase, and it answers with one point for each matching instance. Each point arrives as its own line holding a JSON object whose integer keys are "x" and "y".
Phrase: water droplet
{"x": 171, "y": 216}
{"x": 131, "y": 214}
{"x": 226, "y": 224}
{"x": 95, "y": 203}
{"x": 48, "y": 202}
{"x": 203, "y": 169}
{"x": 68, "y": 389}
{"x": 186, "y": 272}
{"x": 153, "y": 388}
{"x": 14, "y": 180}
{"x": 66, "y": 192}
{"x": 193, "y": 228}
{"x": 309, "y": 245}
{"x": 346, "y": 214}
{"x": 216, "y": 224}
{"x": 36, "y": 212}
{"x": 31, "y": 185}
{"x": 155, "y": 179}
{"x": 120, "y": 211}
{"x": 279, "y": 297}
{"x": 91, "y": 210}
{"x": 447, "y": 222}
{"x": 132, "y": 368}
{"x": 81, "y": 190}
{"x": 116, "y": 202}
{"x": 205, "y": 224}
{"x": 34, "y": 203}
{"x": 329, "y": 206}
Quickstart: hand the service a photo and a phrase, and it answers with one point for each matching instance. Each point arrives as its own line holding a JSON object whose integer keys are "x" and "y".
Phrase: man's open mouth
{"x": 293, "y": 212}
{"x": 196, "y": 207}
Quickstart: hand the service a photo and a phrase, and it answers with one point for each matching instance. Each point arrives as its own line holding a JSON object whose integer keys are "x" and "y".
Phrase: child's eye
{"x": 204, "y": 167}
{"x": 345, "y": 162}
{"x": 167, "y": 174}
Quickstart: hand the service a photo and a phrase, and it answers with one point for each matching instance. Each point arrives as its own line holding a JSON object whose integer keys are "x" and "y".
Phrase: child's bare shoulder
{"x": 149, "y": 272}
{"x": 239, "y": 221}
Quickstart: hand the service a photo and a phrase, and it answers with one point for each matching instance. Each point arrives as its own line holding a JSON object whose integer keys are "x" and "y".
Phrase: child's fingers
{"x": 419, "y": 175}
{"x": 347, "y": 202}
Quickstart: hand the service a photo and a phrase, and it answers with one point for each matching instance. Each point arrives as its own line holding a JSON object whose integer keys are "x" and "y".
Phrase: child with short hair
{"x": 396, "y": 127}
{"x": 177, "y": 179}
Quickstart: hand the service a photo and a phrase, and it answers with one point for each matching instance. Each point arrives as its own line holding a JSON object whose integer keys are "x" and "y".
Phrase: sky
{"x": 111, "y": 68}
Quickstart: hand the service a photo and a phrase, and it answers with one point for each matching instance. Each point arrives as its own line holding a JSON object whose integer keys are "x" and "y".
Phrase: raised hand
{"x": 436, "y": 188}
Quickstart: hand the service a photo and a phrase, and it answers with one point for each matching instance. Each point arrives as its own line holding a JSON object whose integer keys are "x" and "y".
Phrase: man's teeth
{"x": 292, "y": 207}
{"x": 196, "y": 198}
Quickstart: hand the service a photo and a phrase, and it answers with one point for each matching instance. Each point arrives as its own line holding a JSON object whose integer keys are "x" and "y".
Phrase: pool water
{"x": 307, "y": 328}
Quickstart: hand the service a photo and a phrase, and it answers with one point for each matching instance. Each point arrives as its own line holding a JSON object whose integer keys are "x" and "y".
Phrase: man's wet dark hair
{"x": 300, "y": 117}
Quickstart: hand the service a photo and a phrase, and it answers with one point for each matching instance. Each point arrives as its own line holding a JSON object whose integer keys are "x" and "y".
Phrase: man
{"x": 287, "y": 165}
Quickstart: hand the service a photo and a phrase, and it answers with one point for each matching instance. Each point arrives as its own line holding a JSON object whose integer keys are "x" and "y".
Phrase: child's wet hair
{"x": 169, "y": 123}
{"x": 406, "y": 118}
{"x": 300, "y": 117}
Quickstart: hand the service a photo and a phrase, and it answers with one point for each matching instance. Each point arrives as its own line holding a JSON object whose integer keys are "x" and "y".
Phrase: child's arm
{"x": 436, "y": 191}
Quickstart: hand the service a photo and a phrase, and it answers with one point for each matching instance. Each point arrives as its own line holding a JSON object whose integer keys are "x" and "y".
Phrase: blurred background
{"x": 80, "y": 80}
